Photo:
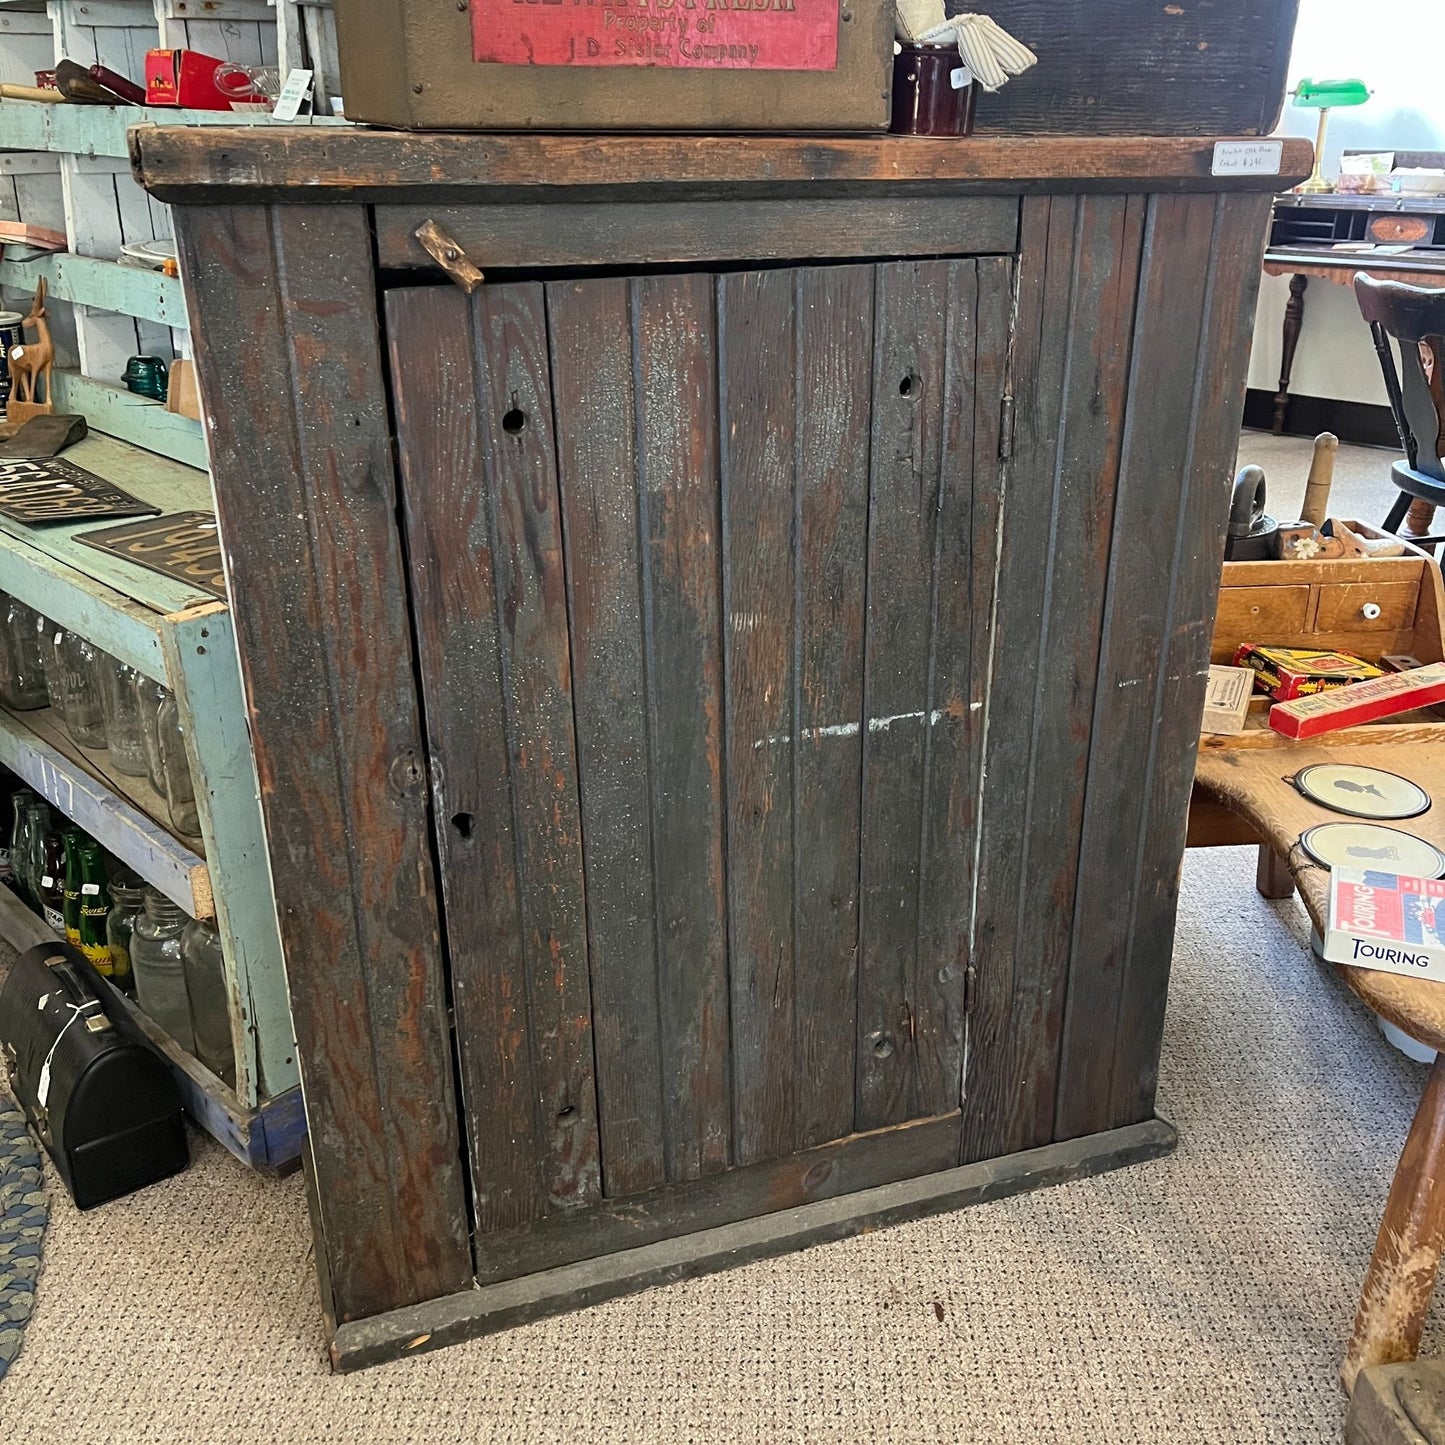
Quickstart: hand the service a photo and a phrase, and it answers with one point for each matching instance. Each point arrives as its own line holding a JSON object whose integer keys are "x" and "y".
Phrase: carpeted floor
{"x": 24, "y": 1208}
{"x": 1202, "y": 1298}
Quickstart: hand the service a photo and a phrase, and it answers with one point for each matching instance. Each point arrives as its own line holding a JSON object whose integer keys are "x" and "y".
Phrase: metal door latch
{"x": 449, "y": 256}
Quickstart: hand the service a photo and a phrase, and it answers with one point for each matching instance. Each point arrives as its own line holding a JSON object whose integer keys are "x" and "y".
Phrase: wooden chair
{"x": 1415, "y": 318}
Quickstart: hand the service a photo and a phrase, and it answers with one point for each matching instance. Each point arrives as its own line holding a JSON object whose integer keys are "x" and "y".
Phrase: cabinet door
{"x": 701, "y": 570}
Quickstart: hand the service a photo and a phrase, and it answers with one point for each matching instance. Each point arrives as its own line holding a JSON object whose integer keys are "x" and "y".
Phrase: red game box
{"x": 1361, "y": 702}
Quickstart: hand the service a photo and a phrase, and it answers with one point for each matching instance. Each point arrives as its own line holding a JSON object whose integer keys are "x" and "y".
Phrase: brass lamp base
{"x": 1317, "y": 184}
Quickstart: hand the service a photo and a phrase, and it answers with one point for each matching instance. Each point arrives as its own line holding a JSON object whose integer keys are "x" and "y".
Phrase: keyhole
{"x": 462, "y": 822}
{"x": 910, "y": 386}
{"x": 514, "y": 421}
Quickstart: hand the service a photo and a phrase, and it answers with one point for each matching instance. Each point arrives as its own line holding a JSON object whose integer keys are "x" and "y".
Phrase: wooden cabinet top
{"x": 321, "y": 163}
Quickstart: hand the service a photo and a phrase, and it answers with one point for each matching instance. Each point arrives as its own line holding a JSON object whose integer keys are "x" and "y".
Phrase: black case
{"x": 110, "y": 1117}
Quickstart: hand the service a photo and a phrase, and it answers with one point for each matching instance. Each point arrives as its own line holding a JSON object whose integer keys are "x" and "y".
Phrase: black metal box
{"x": 98, "y": 1097}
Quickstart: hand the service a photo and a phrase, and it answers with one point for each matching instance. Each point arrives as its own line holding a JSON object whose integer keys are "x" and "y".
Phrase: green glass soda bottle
{"x": 70, "y": 841}
{"x": 94, "y": 909}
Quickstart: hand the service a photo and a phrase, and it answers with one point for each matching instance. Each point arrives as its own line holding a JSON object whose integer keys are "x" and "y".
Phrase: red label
{"x": 680, "y": 34}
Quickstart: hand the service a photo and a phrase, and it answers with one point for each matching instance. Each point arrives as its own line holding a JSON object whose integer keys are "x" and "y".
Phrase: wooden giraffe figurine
{"x": 30, "y": 364}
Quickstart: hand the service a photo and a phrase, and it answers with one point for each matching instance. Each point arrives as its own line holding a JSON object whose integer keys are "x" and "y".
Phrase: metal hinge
{"x": 449, "y": 256}
{"x": 1006, "y": 427}
{"x": 970, "y": 988}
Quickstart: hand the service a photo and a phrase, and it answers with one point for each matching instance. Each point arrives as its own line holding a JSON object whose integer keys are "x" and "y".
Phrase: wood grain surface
{"x": 306, "y": 502}
{"x": 645, "y": 534}
{"x": 1231, "y": 282}
{"x": 180, "y": 163}
{"x": 1252, "y": 784}
{"x": 1071, "y": 364}
{"x": 807, "y": 666}
{"x": 576, "y": 233}
{"x": 554, "y": 1162}
{"x": 1184, "y": 402}
{"x": 1213, "y": 67}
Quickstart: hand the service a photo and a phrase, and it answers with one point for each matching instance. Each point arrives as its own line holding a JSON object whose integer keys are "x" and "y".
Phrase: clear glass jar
{"x": 123, "y": 731}
{"x": 155, "y": 961}
{"x": 180, "y": 791}
{"x": 206, "y": 984}
{"x": 50, "y": 638}
{"x": 83, "y": 710}
{"x": 149, "y": 695}
{"x": 22, "y": 673}
{"x": 127, "y": 899}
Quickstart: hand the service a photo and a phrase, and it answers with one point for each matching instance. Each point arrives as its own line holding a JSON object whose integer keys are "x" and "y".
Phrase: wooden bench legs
{"x": 1272, "y": 877}
{"x": 1401, "y": 1277}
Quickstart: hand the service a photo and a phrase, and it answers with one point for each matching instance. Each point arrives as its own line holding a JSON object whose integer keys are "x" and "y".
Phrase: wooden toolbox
{"x": 677, "y": 65}
{"x": 1372, "y": 607}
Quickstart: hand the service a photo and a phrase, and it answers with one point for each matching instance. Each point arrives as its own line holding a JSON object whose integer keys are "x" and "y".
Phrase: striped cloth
{"x": 988, "y": 50}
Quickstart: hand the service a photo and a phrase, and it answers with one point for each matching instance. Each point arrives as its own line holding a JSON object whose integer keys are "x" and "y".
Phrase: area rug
{"x": 24, "y": 1209}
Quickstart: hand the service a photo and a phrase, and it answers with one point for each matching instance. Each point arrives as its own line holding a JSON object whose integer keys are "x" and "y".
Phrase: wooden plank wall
{"x": 1198, "y": 278}
{"x": 750, "y": 682}
{"x": 1077, "y": 275}
{"x": 770, "y": 797}
{"x": 306, "y": 500}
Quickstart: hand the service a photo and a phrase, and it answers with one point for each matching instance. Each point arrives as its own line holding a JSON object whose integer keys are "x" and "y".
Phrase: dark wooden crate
{"x": 1142, "y": 67}
{"x": 1106, "y": 67}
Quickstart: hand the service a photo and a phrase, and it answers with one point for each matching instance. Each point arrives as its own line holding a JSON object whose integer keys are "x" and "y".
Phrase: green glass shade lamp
{"x": 1323, "y": 96}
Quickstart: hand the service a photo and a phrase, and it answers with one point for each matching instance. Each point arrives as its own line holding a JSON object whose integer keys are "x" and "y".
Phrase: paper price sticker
{"x": 1247, "y": 157}
{"x": 296, "y": 89}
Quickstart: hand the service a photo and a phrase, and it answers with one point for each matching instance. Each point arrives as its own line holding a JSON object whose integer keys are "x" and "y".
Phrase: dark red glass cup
{"x": 926, "y": 99}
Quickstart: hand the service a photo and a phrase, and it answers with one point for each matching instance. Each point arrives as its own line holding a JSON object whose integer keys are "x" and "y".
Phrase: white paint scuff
{"x": 852, "y": 729}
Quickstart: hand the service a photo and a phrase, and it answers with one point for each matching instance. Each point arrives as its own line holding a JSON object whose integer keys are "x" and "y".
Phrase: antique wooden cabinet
{"x": 725, "y": 687}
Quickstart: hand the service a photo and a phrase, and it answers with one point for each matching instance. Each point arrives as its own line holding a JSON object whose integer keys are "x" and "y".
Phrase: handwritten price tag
{"x": 1247, "y": 157}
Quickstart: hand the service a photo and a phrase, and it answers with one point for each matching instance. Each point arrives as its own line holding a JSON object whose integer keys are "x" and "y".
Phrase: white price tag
{"x": 960, "y": 77}
{"x": 1247, "y": 157}
{"x": 296, "y": 89}
{"x": 90, "y": 889}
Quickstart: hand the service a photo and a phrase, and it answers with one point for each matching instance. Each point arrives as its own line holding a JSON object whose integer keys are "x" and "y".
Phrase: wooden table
{"x": 691, "y": 737}
{"x": 1249, "y": 783}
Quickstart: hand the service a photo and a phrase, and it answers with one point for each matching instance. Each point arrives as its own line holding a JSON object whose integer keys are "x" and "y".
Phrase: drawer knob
{"x": 1370, "y": 611}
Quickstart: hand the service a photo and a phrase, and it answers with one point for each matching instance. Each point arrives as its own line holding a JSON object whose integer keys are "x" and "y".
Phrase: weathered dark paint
{"x": 588, "y": 696}
{"x": 306, "y": 502}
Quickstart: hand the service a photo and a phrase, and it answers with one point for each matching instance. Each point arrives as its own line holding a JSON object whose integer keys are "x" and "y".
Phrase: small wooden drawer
{"x": 1366, "y": 606}
{"x": 1259, "y": 614}
{"x": 1372, "y": 607}
{"x": 1397, "y": 229}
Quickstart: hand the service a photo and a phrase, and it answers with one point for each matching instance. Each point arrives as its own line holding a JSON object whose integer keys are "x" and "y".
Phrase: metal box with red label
{"x": 684, "y": 65}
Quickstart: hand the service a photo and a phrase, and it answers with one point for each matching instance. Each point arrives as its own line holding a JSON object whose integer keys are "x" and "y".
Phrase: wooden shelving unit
{"x": 66, "y": 167}
{"x": 123, "y": 819}
{"x": 182, "y": 637}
